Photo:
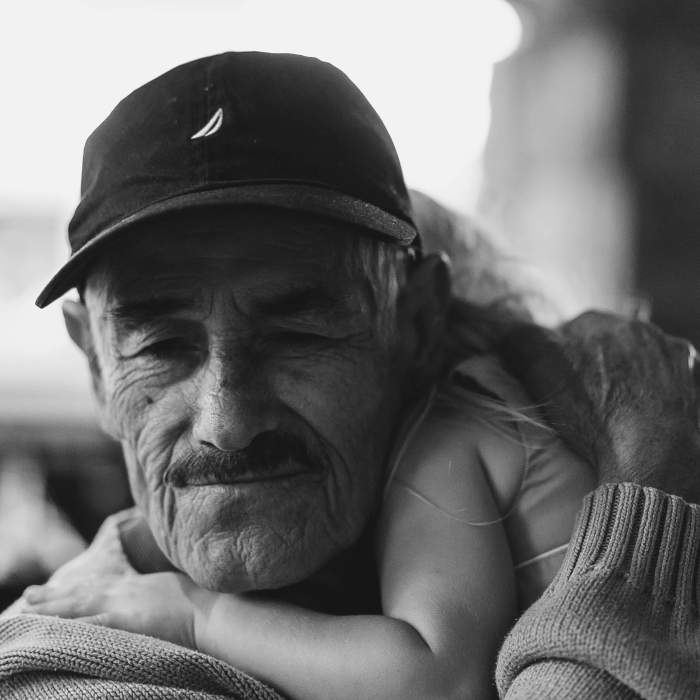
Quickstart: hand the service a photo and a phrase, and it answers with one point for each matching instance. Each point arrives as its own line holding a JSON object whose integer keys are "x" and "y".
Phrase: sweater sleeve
{"x": 620, "y": 621}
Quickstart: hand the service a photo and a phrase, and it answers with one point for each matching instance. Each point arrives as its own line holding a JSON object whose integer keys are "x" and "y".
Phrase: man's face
{"x": 254, "y": 399}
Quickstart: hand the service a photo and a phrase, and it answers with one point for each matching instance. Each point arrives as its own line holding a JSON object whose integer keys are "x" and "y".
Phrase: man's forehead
{"x": 253, "y": 249}
{"x": 293, "y": 299}
{"x": 272, "y": 270}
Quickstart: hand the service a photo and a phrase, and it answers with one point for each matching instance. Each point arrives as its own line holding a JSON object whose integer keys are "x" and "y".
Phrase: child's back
{"x": 476, "y": 451}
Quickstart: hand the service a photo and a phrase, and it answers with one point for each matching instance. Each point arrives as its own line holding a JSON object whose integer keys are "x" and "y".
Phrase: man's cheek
{"x": 133, "y": 393}
{"x": 150, "y": 422}
{"x": 344, "y": 405}
{"x": 339, "y": 391}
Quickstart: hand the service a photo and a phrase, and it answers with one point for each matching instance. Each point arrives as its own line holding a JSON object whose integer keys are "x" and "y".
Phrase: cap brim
{"x": 311, "y": 199}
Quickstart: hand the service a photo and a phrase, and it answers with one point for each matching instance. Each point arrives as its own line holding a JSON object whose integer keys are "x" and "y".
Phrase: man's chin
{"x": 233, "y": 538}
{"x": 220, "y": 566}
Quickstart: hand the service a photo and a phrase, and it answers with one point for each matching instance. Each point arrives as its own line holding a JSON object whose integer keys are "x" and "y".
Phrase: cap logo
{"x": 211, "y": 127}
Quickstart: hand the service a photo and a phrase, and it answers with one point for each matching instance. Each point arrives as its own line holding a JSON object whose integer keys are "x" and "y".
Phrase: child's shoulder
{"x": 478, "y": 452}
{"x": 469, "y": 429}
{"x": 486, "y": 376}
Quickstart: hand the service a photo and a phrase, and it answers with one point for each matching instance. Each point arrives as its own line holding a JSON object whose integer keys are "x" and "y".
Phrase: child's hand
{"x": 159, "y": 605}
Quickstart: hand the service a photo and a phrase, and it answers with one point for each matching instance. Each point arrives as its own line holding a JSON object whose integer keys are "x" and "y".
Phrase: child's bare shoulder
{"x": 461, "y": 440}
{"x": 471, "y": 430}
{"x": 480, "y": 455}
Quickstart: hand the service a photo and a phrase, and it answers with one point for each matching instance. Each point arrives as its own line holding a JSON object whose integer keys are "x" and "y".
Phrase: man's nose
{"x": 233, "y": 406}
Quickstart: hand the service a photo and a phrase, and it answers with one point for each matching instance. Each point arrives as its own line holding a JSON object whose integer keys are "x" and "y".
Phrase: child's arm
{"x": 447, "y": 592}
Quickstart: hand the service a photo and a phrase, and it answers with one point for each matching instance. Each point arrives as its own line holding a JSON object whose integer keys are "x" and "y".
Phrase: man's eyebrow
{"x": 138, "y": 311}
{"x": 304, "y": 300}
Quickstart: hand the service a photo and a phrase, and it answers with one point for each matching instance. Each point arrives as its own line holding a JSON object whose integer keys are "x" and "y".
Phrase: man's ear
{"x": 423, "y": 308}
{"x": 77, "y": 320}
{"x": 75, "y": 314}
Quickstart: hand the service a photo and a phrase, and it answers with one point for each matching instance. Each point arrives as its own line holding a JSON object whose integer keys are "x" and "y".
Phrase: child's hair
{"x": 492, "y": 288}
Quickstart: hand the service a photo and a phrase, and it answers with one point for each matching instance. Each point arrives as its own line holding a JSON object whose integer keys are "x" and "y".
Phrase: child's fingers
{"x": 36, "y": 594}
{"x": 51, "y": 591}
{"x": 61, "y": 601}
{"x": 62, "y": 607}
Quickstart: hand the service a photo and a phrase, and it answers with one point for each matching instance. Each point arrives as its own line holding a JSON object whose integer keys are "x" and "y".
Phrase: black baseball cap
{"x": 243, "y": 129}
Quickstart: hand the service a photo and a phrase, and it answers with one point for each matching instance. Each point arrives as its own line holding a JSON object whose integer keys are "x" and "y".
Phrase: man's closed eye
{"x": 168, "y": 348}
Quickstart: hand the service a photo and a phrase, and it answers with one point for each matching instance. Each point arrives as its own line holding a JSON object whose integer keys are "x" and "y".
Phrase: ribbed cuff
{"x": 643, "y": 534}
{"x": 625, "y": 601}
{"x": 566, "y": 680}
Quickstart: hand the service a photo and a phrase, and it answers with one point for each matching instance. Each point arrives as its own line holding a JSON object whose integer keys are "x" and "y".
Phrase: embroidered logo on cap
{"x": 212, "y": 126}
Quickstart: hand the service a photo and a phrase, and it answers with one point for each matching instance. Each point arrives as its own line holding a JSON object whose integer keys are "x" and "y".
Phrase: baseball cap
{"x": 239, "y": 129}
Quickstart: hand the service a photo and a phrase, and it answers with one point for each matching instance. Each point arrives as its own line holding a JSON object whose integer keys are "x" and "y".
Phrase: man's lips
{"x": 285, "y": 471}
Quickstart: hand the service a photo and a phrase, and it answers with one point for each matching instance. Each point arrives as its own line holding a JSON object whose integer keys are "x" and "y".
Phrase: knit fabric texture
{"x": 620, "y": 621}
{"x": 47, "y": 657}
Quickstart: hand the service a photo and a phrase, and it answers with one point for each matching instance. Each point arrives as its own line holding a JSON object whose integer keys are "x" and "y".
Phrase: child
{"x": 478, "y": 507}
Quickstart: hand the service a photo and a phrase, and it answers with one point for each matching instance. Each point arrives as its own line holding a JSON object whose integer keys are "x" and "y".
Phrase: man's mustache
{"x": 266, "y": 453}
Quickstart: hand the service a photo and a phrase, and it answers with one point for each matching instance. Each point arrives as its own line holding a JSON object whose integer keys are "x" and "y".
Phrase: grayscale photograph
{"x": 348, "y": 350}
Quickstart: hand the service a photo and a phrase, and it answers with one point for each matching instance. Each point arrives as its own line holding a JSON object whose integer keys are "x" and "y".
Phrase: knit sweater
{"x": 47, "y": 657}
{"x": 620, "y": 621}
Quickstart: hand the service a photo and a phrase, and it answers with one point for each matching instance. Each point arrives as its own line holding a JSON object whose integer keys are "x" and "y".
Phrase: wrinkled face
{"x": 253, "y": 397}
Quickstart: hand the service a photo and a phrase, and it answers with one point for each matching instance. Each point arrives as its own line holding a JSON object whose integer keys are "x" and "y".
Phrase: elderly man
{"x": 240, "y": 247}
{"x": 256, "y": 380}
{"x": 294, "y": 313}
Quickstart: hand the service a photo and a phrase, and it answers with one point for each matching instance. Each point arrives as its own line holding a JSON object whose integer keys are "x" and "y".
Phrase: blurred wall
{"x": 661, "y": 152}
{"x": 554, "y": 183}
{"x": 60, "y": 476}
{"x": 592, "y": 166}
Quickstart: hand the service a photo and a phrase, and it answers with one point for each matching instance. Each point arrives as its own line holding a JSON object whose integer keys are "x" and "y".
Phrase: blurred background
{"x": 569, "y": 128}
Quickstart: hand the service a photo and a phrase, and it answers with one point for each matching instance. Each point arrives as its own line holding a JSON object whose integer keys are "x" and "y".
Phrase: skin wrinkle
{"x": 337, "y": 493}
{"x": 241, "y": 377}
